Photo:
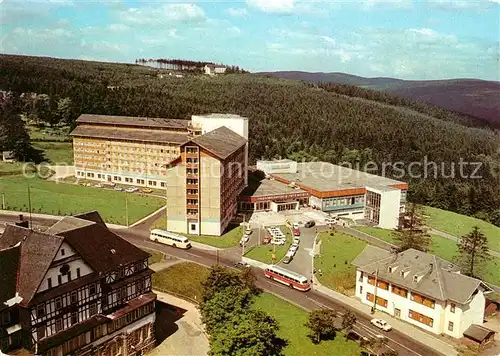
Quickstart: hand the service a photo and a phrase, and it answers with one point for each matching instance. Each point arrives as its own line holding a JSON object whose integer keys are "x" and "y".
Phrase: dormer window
{"x": 62, "y": 252}
{"x": 415, "y": 278}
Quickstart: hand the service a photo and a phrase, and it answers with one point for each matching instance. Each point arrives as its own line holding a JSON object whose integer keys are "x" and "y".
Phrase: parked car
{"x": 353, "y": 335}
{"x": 248, "y": 231}
{"x": 131, "y": 190}
{"x": 98, "y": 185}
{"x": 244, "y": 239}
{"x": 296, "y": 231}
{"x": 118, "y": 189}
{"x": 381, "y": 324}
{"x": 146, "y": 190}
{"x": 267, "y": 240}
{"x": 295, "y": 225}
{"x": 278, "y": 242}
{"x": 296, "y": 240}
{"x": 287, "y": 259}
{"x": 310, "y": 223}
{"x": 331, "y": 221}
{"x": 241, "y": 264}
{"x": 294, "y": 248}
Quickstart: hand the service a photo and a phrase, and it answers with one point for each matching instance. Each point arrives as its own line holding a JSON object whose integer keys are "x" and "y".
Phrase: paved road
{"x": 310, "y": 300}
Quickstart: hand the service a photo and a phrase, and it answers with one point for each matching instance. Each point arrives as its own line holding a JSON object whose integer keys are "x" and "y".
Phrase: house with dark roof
{"x": 420, "y": 288}
{"x": 76, "y": 288}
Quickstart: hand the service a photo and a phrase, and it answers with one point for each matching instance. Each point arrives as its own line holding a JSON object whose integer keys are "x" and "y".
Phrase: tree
{"x": 412, "y": 232}
{"x": 473, "y": 251}
{"x": 223, "y": 305}
{"x": 376, "y": 345}
{"x": 348, "y": 321}
{"x": 65, "y": 111}
{"x": 247, "y": 334}
{"x": 322, "y": 323}
{"x": 13, "y": 134}
{"x": 221, "y": 278}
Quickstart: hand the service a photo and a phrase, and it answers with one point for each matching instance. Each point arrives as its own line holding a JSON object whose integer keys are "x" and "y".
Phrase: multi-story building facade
{"x": 421, "y": 289}
{"x": 79, "y": 289}
{"x": 204, "y": 183}
{"x": 136, "y": 150}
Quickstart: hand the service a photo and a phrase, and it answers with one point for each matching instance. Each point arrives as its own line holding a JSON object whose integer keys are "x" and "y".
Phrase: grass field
{"x": 264, "y": 253}
{"x": 156, "y": 256}
{"x": 14, "y": 168}
{"x": 444, "y": 248}
{"x": 56, "y": 152}
{"x": 48, "y": 133}
{"x": 67, "y": 199}
{"x": 459, "y": 225}
{"x": 183, "y": 279}
{"x": 337, "y": 253}
{"x": 291, "y": 320}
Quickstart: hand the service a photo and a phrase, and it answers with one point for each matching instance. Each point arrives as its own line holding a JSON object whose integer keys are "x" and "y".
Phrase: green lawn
{"x": 48, "y": 133}
{"x": 442, "y": 247}
{"x": 264, "y": 253}
{"x": 183, "y": 279}
{"x": 56, "y": 152}
{"x": 337, "y": 253}
{"x": 14, "y": 168}
{"x": 68, "y": 199}
{"x": 459, "y": 225}
{"x": 291, "y": 320}
{"x": 156, "y": 256}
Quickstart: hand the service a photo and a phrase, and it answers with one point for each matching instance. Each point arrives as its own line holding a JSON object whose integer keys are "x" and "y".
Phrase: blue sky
{"x": 408, "y": 39}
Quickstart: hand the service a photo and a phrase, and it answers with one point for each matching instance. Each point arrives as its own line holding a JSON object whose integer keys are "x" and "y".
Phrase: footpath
{"x": 189, "y": 338}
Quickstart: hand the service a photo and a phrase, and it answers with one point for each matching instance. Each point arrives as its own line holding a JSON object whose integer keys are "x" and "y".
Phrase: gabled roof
{"x": 91, "y": 216}
{"x": 102, "y": 249}
{"x": 222, "y": 142}
{"x": 37, "y": 250}
{"x": 437, "y": 278}
{"x": 67, "y": 223}
{"x": 9, "y": 272}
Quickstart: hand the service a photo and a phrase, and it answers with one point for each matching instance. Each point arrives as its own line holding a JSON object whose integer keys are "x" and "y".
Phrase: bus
{"x": 291, "y": 279}
{"x": 169, "y": 238}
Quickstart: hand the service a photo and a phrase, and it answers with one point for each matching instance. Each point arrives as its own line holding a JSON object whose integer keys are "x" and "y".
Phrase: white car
{"x": 296, "y": 240}
{"x": 118, "y": 189}
{"x": 381, "y": 324}
{"x": 131, "y": 190}
{"x": 278, "y": 242}
{"x": 244, "y": 239}
{"x": 294, "y": 248}
{"x": 295, "y": 225}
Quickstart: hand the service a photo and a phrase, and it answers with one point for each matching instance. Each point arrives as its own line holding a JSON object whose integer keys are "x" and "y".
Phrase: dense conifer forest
{"x": 333, "y": 123}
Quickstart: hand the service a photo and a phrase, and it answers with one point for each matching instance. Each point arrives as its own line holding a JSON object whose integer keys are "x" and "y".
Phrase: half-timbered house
{"x": 76, "y": 289}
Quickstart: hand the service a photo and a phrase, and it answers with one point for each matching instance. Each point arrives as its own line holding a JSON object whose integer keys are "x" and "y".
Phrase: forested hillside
{"x": 287, "y": 119}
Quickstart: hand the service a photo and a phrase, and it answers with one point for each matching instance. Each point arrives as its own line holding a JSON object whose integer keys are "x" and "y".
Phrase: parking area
{"x": 270, "y": 218}
{"x": 302, "y": 261}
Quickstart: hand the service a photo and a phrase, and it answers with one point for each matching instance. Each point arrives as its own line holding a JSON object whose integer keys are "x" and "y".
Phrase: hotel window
{"x": 74, "y": 297}
{"x": 58, "y": 303}
{"x": 40, "y": 311}
{"x": 92, "y": 289}
{"x": 452, "y": 307}
{"x": 360, "y": 289}
{"x": 162, "y": 184}
{"x": 59, "y": 324}
{"x": 93, "y": 309}
{"x": 450, "y": 326}
{"x": 74, "y": 318}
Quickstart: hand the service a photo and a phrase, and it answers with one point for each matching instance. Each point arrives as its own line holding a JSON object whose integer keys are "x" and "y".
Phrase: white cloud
{"x": 237, "y": 12}
{"x": 118, "y": 27}
{"x": 163, "y": 14}
{"x": 461, "y": 5}
{"x": 273, "y": 6}
{"x": 397, "y": 4}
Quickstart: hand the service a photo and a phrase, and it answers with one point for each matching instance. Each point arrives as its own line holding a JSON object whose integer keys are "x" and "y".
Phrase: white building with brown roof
{"x": 75, "y": 289}
{"x": 420, "y": 288}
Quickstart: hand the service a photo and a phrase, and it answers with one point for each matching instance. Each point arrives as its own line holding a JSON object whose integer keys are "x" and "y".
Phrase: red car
{"x": 296, "y": 231}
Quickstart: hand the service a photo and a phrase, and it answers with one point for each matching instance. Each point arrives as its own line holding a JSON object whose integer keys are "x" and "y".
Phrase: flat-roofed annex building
{"x": 343, "y": 191}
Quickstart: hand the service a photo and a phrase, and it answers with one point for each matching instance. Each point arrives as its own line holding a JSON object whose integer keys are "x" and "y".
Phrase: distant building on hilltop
{"x": 213, "y": 69}
{"x": 75, "y": 289}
